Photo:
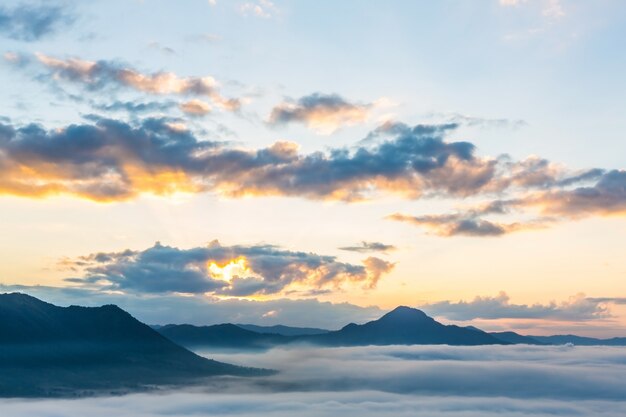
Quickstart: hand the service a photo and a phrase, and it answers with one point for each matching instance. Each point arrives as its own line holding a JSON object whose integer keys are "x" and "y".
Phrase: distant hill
{"x": 220, "y": 336}
{"x": 516, "y": 339}
{"x": 283, "y": 330}
{"x": 47, "y": 350}
{"x": 403, "y": 326}
{"x": 580, "y": 340}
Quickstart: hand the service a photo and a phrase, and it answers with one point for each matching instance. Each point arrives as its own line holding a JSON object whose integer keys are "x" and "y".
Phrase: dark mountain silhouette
{"x": 403, "y": 326}
{"x": 580, "y": 340}
{"x": 516, "y": 338}
{"x": 284, "y": 330}
{"x": 47, "y": 350}
{"x": 220, "y": 336}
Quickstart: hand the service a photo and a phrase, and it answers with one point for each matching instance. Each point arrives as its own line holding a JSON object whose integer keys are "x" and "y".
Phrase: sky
{"x": 317, "y": 163}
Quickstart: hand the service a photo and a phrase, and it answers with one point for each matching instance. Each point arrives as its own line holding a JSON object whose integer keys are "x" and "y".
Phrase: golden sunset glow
{"x": 227, "y": 271}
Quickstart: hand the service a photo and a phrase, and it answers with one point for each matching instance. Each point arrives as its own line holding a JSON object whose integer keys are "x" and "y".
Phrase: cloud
{"x": 323, "y": 113}
{"x": 104, "y": 162}
{"x": 262, "y": 8}
{"x": 364, "y": 247}
{"x": 112, "y": 160}
{"x": 456, "y": 224}
{"x": 511, "y": 2}
{"x": 554, "y": 372}
{"x": 31, "y": 23}
{"x": 605, "y": 197}
{"x": 99, "y": 75}
{"x": 109, "y": 160}
{"x": 195, "y": 107}
{"x": 473, "y": 121}
{"x": 135, "y": 107}
{"x": 238, "y": 271}
{"x": 391, "y": 381}
{"x": 552, "y": 9}
{"x": 577, "y": 308}
{"x": 165, "y": 50}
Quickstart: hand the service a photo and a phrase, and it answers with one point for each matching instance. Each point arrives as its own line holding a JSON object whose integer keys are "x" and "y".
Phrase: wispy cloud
{"x": 364, "y": 246}
{"x": 101, "y": 75}
{"x": 552, "y": 9}
{"x": 33, "y": 22}
{"x": 577, "y": 308}
{"x": 195, "y": 107}
{"x": 605, "y": 196}
{"x": 261, "y": 8}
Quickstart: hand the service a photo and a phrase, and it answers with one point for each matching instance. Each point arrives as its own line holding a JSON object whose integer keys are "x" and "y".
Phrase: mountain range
{"x": 403, "y": 325}
{"x": 46, "y": 350}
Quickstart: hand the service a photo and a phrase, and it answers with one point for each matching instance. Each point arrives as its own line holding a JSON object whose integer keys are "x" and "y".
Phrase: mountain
{"x": 516, "y": 338}
{"x": 46, "y": 350}
{"x": 228, "y": 336}
{"x": 580, "y": 340}
{"x": 403, "y": 326}
{"x": 283, "y": 330}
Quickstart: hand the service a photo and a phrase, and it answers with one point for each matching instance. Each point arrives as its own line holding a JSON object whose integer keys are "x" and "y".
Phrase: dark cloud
{"x": 464, "y": 224}
{"x": 222, "y": 270}
{"x": 33, "y": 22}
{"x": 112, "y": 160}
{"x": 109, "y": 160}
{"x": 607, "y": 196}
{"x": 577, "y": 308}
{"x": 322, "y": 112}
{"x": 364, "y": 247}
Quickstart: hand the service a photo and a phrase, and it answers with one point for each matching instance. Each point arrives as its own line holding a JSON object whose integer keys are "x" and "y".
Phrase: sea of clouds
{"x": 398, "y": 381}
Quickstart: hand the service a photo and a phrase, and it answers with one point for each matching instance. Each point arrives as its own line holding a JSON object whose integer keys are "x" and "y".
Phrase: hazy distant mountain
{"x": 283, "y": 330}
{"x": 516, "y": 338}
{"x": 580, "y": 340}
{"x": 47, "y": 350}
{"x": 220, "y": 336}
{"x": 403, "y": 326}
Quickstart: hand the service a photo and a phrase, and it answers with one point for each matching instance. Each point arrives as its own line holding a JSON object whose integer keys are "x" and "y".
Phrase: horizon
{"x": 278, "y": 324}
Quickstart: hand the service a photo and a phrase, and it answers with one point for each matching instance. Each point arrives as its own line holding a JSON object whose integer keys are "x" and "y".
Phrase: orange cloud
{"x": 102, "y": 74}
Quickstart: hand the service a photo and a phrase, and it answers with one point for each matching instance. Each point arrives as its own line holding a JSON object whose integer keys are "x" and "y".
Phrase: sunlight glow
{"x": 234, "y": 268}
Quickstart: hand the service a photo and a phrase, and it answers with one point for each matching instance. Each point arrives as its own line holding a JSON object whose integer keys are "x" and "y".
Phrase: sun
{"x": 226, "y": 272}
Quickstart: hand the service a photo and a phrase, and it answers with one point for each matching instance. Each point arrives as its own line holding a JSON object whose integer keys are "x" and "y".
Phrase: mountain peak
{"x": 405, "y": 313}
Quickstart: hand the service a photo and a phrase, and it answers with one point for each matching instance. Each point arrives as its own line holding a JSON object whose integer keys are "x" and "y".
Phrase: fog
{"x": 384, "y": 381}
